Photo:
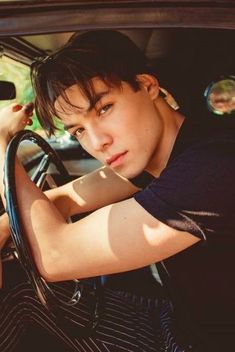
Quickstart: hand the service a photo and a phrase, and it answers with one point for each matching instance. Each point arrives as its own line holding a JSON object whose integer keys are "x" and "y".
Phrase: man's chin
{"x": 129, "y": 174}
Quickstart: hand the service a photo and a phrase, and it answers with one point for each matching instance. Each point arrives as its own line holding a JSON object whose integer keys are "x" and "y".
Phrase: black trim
{"x": 19, "y": 49}
{"x": 22, "y": 18}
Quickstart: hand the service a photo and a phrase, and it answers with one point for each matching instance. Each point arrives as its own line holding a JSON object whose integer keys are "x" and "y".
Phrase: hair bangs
{"x": 84, "y": 58}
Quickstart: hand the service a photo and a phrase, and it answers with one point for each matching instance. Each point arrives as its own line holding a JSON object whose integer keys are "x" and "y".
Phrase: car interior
{"x": 189, "y": 46}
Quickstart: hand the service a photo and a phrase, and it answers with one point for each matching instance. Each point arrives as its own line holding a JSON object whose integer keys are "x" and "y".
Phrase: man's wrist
{"x": 4, "y": 229}
{"x": 4, "y": 139}
{"x": 3, "y": 241}
{"x": 3, "y": 143}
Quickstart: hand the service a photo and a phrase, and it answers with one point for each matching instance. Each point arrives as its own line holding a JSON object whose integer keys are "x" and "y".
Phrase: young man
{"x": 99, "y": 86}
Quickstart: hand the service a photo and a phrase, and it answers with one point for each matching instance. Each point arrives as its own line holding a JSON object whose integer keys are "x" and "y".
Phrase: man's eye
{"x": 78, "y": 132}
{"x": 104, "y": 109}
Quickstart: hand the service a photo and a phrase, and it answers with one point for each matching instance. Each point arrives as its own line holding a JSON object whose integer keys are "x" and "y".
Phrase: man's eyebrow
{"x": 97, "y": 97}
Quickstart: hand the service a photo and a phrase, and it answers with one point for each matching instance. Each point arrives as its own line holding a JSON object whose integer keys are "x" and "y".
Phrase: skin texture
{"x": 141, "y": 125}
{"x": 129, "y": 132}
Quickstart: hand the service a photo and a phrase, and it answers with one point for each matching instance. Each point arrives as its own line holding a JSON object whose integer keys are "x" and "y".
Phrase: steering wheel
{"x": 45, "y": 294}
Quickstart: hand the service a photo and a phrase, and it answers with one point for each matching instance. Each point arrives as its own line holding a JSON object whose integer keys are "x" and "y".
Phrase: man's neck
{"x": 172, "y": 124}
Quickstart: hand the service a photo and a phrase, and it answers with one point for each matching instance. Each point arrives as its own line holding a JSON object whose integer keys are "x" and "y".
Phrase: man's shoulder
{"x": 198, "y": 144}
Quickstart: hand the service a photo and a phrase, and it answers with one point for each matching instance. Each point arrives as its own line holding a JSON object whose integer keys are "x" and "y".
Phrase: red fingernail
{"x": 29, "y": 108}
{"x": 17, "y": 107}
{"x": 29, "y": 122}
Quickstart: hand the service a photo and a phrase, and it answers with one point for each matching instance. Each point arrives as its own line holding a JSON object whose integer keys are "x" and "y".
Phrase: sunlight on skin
{"x": 81, "y": 200}
{"x": 149, "y": 233}
{"x": 102, "y": 174}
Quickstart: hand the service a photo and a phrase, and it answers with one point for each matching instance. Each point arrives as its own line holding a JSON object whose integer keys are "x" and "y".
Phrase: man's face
{"x": 122, "y": 130}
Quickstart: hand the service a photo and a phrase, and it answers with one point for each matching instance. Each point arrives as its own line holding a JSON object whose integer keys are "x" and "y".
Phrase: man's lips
{"x": 115, "y": 158}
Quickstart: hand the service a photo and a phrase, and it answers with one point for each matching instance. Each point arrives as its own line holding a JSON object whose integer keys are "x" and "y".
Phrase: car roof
{"x": 29, "y": 29}
{"x": 37, "y": 17}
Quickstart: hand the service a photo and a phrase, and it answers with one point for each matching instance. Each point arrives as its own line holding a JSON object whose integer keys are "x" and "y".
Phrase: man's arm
{"x": 119, "y": 237}
{"x": 115, "y": 238}
{"x": 85, "y": 194}
{"x": 4, "y": 234}
{"x": 92, "y": 191}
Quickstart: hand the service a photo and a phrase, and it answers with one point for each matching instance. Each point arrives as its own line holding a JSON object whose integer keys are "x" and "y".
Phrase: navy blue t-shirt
{"x": 196, "y": 193}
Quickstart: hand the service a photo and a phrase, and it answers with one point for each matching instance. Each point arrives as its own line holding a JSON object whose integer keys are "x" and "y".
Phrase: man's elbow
{"x": 50, "y": 266}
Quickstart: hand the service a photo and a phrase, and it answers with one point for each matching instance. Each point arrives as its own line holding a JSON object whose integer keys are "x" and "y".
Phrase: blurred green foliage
{"x": 19, "y": 73}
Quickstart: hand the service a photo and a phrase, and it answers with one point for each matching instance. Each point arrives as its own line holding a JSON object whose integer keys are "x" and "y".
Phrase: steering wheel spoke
{"x": 41, "y": 176}
{"x": 41, "y": 169}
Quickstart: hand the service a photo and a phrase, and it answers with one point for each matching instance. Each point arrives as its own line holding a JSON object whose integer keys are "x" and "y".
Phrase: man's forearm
{"x": 90, "y": 192}
{"x": 3, "y": 147}
{"x": 4, "y": 229}
{"x": 4, "y": 219}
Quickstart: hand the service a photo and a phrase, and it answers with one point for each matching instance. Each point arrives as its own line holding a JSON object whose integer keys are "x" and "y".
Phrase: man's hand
{"x": 14, "y": 118}
{"x": 4, "y": 230}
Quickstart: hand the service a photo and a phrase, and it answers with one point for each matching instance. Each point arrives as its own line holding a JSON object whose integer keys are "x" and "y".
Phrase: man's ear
{"x": 149, "y": 83}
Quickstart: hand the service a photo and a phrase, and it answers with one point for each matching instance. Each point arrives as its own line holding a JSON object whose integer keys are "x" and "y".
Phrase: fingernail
{"x": 29, "y": 108}
{"x": 17, "y": 107}
{"x": 29, "y": 122}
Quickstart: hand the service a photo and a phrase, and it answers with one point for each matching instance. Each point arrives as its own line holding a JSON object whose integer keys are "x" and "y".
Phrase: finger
{"x": 16, "y": 107}
{"x": 28, "y": 108}
{"x": 29, "y": 122}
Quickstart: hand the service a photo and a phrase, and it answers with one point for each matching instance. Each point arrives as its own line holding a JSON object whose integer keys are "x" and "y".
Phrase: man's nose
{"x": 99, "y": 139}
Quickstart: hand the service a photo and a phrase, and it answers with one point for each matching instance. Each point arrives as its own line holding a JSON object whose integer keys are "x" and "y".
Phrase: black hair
{"x": 107, "y": 54}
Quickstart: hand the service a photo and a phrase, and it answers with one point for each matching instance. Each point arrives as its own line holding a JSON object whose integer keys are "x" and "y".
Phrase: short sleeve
{"x": 195, "y": 192}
